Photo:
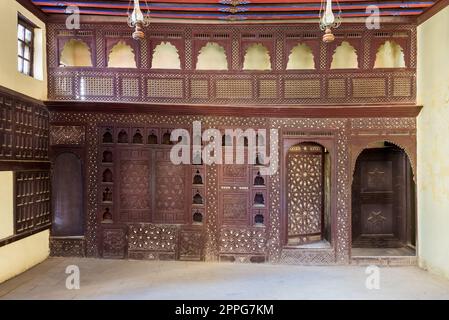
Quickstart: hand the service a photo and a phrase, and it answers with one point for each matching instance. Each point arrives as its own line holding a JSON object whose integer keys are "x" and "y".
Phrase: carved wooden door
{"x": 305, "y": 193}
{"x": 379, "y": 198}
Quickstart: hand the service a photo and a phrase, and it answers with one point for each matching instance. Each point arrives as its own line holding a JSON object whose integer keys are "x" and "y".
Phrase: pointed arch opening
{"x": 301, "y": 58}
{"x": 122, "y": 56}
{"x": 345, "y": 57}
{"x": 390, "y": 55}
{"x": 212, "y": 56}
{"x": 75, "y": 53}
{"x": 257, "y": 57}
{"x": 383, "y": 202}
{"x": 165, "y": 56}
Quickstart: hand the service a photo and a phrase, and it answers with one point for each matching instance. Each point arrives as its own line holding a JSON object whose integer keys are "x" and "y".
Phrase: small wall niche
{"x": 259, "y": 199}
{"x": 259, "y": 219}
{"x": 137, "y": 137}
{"x": 152, "y": 137}
{"x": 107, "y": 156}
{"x": 122, "y": 136}
{"x": 107, "y": 195}
{"x": 197, "y": 178}
{"x": 107, "y": 136}
{"x": 197, "y": 217}
{"x": 197, "y": 198}
{"x": 259, "y": 180}
{"x": 166, "y": 138}
{"x": 106, "y": 216}
{"x": 107, "y": 175}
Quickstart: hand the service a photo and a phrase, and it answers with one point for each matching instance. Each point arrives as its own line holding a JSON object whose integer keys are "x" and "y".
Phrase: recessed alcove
{"x": 122, "y": 137}
{"x": 75, "y": 53}
{"x": 166, "y": 138}
{"x": 107, "y": 195}
{"x": 301, "y": 58}
{"x": 107, "y": 175}
{"x": 107, "y": 216}
{"x": 259, "y": 180}
{"x": 345, "y": 57}
{"x": 197, "y": 198}
{"x": 212, "y": 56}
{"x": 197, "y": 179}
{"x": 197, "y": 217}
{"x": 389, "y": 55}
{"x": 259, "y": 219}
{"x": 122, "y": 56}
{"x": 138, "y": 138}
{"x": 107, "y": 137}
{"x": 257, "y": 57}
{"x": 107, "y": 157}
{"x": 259, "y": 199}
{"x": 165, "y": 56}
{"x": 152, "y": 138}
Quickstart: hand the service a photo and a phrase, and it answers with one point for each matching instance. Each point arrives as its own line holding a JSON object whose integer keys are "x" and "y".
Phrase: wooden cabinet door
{"x": 379, "y": 198}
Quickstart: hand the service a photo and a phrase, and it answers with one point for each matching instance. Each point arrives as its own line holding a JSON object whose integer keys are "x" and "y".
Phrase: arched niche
{"x": 165, "y": 56}
{"x": 67, "y": 196}
{"x": 212, "y": 57}
{"x": 383, "y": 201}
{"x": 345, "y": 57}
{"x": 389, "y": 55}
{"x": 257, "y": 57}
{"x": 75, "y": 53}
{"x": 301, "y": 58}
{"x": 122, "y": 56}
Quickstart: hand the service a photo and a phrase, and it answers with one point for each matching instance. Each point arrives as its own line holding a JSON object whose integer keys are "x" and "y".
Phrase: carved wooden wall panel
{"x": 67, "y": 247}
{"x": 33, "y": 207}
{"x": 24, "y": 128}
{"x": 191, "y": 245}
{"x": 134, "y": 185}
{"x": 171, "y": 195}
{"x": 151, "y": 241}
{"x": 114, "y": 243}
{"x": 344, "y": 136}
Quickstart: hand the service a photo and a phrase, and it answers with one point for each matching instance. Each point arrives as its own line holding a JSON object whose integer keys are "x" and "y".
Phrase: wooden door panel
{"x": 377, "y": 219}
{"x": 305, "y": 193}
{"x": 376, "y": 176}
{"x": 378, "y": 198}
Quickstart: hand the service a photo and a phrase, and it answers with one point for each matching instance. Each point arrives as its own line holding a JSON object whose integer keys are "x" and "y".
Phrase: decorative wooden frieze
{"x": 67, "y": 135}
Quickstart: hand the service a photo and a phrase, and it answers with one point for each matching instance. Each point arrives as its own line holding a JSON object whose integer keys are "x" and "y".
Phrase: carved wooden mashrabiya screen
{"x": 305, "y": 193}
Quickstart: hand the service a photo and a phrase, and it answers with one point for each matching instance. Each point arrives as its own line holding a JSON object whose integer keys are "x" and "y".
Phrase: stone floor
{"x": 121, "y": 279}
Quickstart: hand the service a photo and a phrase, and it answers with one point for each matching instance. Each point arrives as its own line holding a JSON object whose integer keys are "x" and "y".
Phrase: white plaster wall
{"x": 433, "y": 143}
{"x": 10, "y": 77}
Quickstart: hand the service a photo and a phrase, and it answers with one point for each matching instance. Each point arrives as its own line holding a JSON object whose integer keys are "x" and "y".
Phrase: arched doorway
{"x": 383, "y": 202}
{"x": 308, "y": 184}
